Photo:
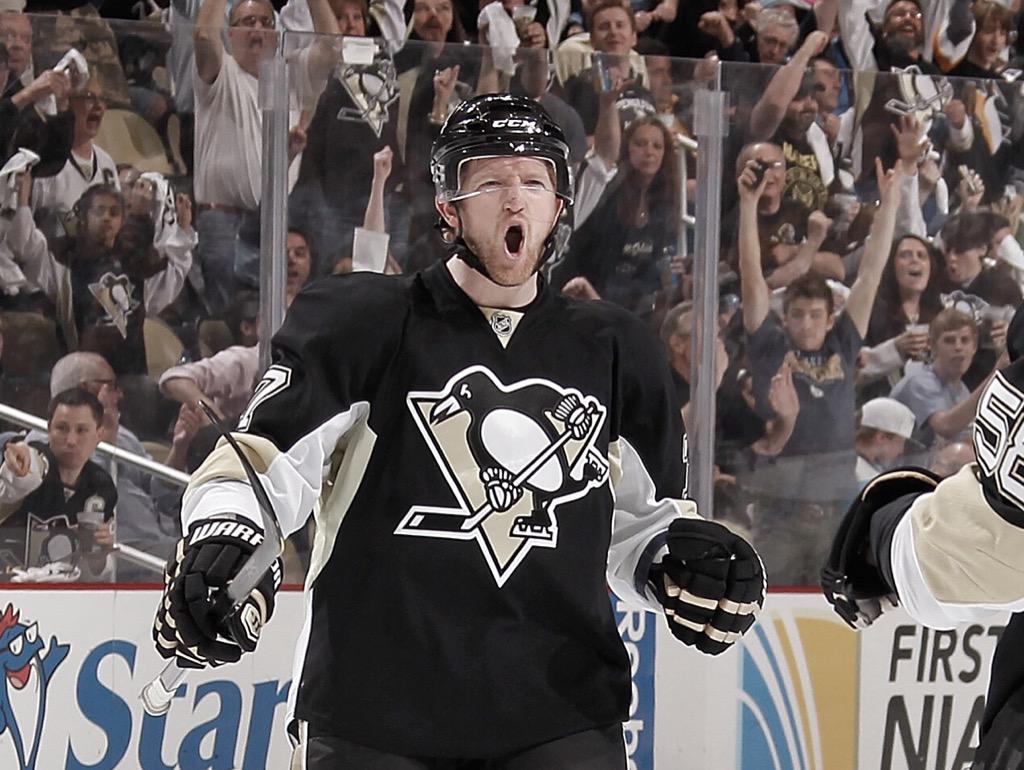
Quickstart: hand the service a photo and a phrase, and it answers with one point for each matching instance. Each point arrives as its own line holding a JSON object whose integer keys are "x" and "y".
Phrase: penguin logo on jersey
{"x": 511, "y": 454}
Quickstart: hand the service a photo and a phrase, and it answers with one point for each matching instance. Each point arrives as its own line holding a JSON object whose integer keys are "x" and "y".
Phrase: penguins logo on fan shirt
{"x": 115, "y": 293}
{"x": 511, "y": 454}
{"x": 372, "y": 87}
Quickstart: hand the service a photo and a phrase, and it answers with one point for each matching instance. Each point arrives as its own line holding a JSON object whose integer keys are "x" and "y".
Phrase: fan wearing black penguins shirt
{"x": 488, "y": 456}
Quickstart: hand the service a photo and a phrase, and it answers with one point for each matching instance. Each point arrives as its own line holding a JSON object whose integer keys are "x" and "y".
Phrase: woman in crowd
{"x": 908, "y": 299}
{"x": 624, "y": 247}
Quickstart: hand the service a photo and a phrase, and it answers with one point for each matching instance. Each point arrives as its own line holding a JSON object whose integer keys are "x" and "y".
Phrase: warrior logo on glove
{"x": 187, "y": 626}
{"x": 517, "y": 450}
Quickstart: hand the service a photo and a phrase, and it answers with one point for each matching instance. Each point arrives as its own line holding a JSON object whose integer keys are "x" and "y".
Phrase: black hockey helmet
{"x": 496, "y": 125}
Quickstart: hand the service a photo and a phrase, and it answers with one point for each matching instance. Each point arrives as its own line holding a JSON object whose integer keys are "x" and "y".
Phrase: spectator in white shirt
{"x": 228, "y": 143}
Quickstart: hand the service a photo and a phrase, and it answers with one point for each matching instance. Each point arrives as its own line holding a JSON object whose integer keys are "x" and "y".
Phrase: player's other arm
{"x": 663, "y": 554}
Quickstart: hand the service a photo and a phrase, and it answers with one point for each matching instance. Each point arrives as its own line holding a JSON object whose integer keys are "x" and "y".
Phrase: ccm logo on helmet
{"x": 512, "y": 123}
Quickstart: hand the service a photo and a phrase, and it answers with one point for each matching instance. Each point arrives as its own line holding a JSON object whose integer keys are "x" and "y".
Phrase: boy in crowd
{"x": 935, "y": 392}
{"x": 886, "y": 426}
{"x": 802, "y": 491}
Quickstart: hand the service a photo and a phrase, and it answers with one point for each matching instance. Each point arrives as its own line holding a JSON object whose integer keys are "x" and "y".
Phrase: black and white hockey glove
{"x": 851, "y": 579}
{"x": 711, "y": 584}
{"x": 204, "y": 562}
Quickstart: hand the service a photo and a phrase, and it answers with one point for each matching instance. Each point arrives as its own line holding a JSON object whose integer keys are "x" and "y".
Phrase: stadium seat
{"x": 214, "y": 336}
{"x": 30, "y": 343}
{"x": 163, "y": 348}
{"x": 130, "y": 139}
{"x": 158, "y": 450}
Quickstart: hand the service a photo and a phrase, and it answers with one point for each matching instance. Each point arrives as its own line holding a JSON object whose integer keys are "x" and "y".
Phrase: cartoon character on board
{"x": 22, "y": 695}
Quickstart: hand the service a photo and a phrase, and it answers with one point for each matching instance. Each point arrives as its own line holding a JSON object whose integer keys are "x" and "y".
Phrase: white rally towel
{"x": 501, "y": 35}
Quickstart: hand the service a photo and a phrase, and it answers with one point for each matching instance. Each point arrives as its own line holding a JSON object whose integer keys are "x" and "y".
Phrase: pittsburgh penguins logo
{"x": 511, "y": 454}
{"x": 372, "y": 88}
{"x": 116, "y": 295}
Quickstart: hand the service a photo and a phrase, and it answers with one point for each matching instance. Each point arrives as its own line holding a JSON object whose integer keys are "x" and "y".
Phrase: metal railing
{"x": 126, "y": 552}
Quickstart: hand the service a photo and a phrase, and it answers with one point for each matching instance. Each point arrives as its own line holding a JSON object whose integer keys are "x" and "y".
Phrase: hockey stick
{"x": 156, "y": 696}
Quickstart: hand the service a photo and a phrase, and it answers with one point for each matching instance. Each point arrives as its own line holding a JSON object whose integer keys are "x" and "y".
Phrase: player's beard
{"x": 490, "y": 250}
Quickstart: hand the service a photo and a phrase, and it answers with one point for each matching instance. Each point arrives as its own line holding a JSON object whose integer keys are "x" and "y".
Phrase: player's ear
{"x": 448, "y": 213}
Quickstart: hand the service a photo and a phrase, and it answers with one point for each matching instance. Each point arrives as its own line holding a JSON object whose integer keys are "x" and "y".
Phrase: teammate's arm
{"x": 950, "y": 550}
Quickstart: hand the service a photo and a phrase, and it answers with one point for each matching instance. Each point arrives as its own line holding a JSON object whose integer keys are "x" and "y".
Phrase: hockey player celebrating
{"x": 482, "y": 457}
{"x": 951, "y": 550}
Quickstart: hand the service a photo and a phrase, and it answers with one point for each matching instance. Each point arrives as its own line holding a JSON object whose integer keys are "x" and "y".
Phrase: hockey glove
{"x": 851, "y": 580}
{"x": 711, "y": 584}
{"x": 204, "y": 562}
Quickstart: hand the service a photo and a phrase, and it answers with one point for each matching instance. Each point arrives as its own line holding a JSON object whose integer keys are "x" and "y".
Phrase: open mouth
{"x": 514, "y": 239}
{"x": 19, "y": 678}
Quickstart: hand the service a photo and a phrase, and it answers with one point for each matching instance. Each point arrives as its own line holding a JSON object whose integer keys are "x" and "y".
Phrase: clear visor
{"x": 502, "y": 181}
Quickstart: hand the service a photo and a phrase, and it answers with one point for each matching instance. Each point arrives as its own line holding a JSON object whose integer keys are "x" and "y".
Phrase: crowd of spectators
{"x": 871, "y": 203}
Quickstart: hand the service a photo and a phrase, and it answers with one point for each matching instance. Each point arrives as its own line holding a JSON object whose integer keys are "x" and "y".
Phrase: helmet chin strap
{"x": 458, "y": 247}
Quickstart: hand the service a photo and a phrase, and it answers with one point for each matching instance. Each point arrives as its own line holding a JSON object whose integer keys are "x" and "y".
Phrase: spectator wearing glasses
{"x": 789, "y": 233}
{"x": 50, "y": 137}
{"x": 139, "y": 523}
{"x": 775, "y": 34}
{"x": 897, "y": 41}
{"x": 228, "y": 144}
{"x": 53, "y": 198}
{"x": 829, "y": 93}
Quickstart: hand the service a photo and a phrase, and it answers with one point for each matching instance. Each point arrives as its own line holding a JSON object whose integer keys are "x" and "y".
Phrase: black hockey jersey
{"x": 478, "y": 477}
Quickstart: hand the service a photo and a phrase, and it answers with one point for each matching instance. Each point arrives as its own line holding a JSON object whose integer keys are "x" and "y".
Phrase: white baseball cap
{"x": 889, "y": 415}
